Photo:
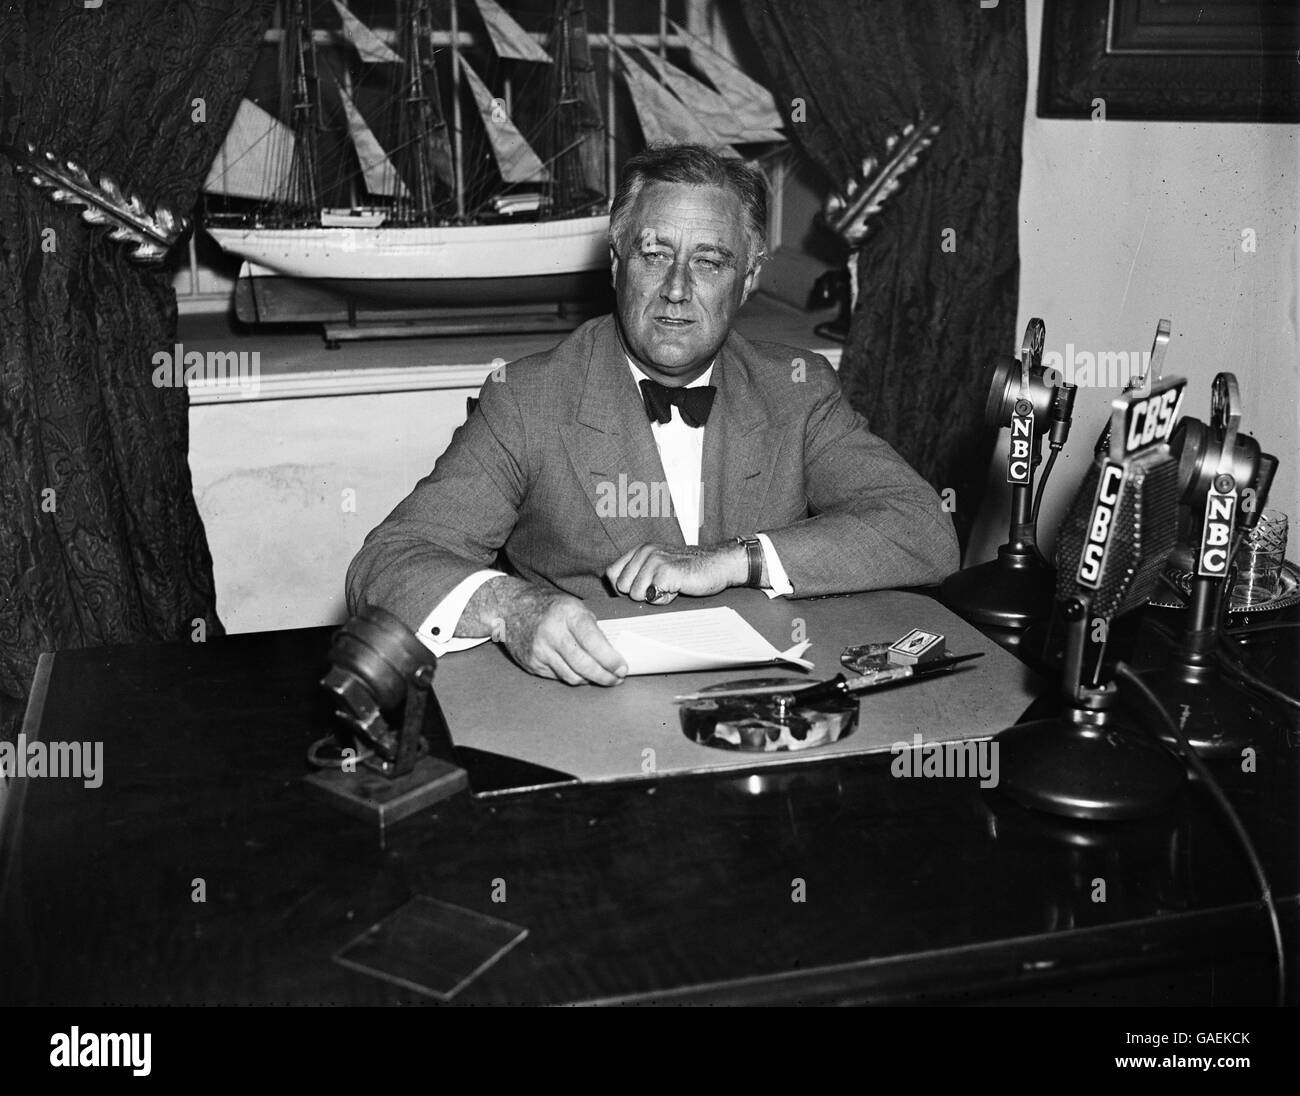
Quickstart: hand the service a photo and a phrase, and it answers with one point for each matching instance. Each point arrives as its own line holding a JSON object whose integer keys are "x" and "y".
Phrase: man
{"x": 736, "y": 463}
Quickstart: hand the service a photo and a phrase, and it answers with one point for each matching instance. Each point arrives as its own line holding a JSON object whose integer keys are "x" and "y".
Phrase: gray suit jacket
{"x": 562, "y": 435}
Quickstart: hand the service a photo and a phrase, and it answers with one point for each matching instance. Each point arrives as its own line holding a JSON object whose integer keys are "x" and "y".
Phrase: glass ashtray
{"x": 1288, "y": 592}
{"x": 766, "y": 724}
{"x": 866, "y": 658}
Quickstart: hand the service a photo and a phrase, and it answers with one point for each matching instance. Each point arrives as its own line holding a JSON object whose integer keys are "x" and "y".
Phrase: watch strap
{"x": 754, "y": 555}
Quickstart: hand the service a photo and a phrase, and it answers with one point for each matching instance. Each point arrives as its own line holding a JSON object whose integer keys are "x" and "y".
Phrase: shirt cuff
{"x": 438, "y": 632}
{"x": 778, "y": 581}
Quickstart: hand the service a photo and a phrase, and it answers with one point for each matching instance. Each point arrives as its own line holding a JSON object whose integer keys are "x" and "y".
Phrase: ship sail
{"x": 663, "y": 119}
{"x": 256, "y": 157}
{"x": 514, "y": 156}
{"x": 369, "y": 46}
{"x": 509, "y": 39}
{"x": 702, "y": 101}
{"x": 380, "y": 175}
{"x": 753, "y": 105}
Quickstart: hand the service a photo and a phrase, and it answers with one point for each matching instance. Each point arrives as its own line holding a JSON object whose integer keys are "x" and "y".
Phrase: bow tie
{"x": 693, "y": 403}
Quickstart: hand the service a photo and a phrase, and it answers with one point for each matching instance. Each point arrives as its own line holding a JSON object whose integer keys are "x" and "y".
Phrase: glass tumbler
{"x": 1259, "y": 561}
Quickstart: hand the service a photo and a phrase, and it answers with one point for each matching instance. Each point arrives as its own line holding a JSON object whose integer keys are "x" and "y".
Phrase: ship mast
{"x": 456, "y": 135}
{"x": 578, "y": 141}
{"x": 423, "y": 128}
{"x": 304, "y": 178}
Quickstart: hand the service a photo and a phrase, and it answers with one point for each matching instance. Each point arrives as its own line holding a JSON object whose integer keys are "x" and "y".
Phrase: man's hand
{"x": 672, "y": 571}
{"x": 548, "y": 633}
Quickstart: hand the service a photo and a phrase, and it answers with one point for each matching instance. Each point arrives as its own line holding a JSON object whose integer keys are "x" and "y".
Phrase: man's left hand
{"x": 672, "y": 571}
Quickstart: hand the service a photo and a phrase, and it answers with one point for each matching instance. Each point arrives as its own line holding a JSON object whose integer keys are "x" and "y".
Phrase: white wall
{"x": 1125, "y": 222}
{"x": 270, "y": 478}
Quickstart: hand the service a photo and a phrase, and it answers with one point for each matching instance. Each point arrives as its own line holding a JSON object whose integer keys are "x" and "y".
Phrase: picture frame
{"x": 1171, "y": 60}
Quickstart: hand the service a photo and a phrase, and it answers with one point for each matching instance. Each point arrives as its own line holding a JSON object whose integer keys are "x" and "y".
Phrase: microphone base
{"x": 1218, "y": 717}
{"x": 1013, "y": 591}
{"x": 1108, "y": 771}
{"x": 384, "y": 802}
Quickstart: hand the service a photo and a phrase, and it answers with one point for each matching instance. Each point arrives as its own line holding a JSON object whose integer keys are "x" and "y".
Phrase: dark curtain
{"x": 927, "y": 321}
{"x": 100, "y": 538}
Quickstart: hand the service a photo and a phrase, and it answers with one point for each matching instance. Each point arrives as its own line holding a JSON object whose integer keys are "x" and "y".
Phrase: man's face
{"x": 681, "y": 278}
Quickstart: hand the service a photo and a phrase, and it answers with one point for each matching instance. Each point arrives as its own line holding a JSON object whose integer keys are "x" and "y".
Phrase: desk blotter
{"x": 632, "y": 731}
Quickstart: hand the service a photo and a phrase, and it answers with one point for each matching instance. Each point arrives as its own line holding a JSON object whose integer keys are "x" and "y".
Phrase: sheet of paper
{"x": 693, "y": 639}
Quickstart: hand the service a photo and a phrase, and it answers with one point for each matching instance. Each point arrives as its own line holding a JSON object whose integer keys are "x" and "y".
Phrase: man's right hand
{"x": 548, "y": 633}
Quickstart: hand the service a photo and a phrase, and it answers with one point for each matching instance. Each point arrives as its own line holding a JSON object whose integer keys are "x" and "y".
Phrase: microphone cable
{"x": 1252, "y": 629}
{"x": 1062, "y": 414}
{"x": 1042, "y": 484}
{"x": 1122, "y": 669}
{"x": 1228, "y": 658}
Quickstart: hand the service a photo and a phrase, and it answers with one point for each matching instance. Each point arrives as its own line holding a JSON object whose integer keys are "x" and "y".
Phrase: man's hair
{"x": 694, "y": 165}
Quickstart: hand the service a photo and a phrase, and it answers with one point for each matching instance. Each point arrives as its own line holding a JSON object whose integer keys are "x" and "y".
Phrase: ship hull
{"x": 460, "y": 253}
{"x": 264, "y": 296}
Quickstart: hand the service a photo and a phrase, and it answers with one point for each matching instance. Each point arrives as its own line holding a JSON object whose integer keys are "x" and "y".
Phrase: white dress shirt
{"x": 681, "y": 452}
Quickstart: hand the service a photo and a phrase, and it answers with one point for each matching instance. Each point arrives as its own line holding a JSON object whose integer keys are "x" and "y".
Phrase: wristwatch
{"x": 754, "y": 554}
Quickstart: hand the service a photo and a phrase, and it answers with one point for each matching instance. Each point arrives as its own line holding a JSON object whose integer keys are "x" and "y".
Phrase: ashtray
{"x": 1288, "y": 592}
{"x": 866, "y": 658}
{"x": 766, "y": 724}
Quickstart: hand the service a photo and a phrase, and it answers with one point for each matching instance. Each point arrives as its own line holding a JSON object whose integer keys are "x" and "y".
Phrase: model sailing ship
{"x": 472, "y": 198}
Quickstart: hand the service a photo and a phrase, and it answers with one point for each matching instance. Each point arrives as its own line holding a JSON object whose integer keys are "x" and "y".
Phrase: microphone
{"x": 396, "y": 757}
{"x": 1155, "y": 367}
{"x": 1092, "y": 762}
{"x": 1015, "y": 589}
{"x": 1061, "y": 415}
{"x": 1224, "y": 480}
{"x": 1206, "y": 455}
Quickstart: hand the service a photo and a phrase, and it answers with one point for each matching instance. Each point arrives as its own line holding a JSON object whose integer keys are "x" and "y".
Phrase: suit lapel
{"x": 740, "y": 447}
{"x": 613, "y": 452}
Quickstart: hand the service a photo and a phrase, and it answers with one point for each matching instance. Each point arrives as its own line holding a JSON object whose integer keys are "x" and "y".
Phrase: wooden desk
{"x": 679, "y": 890}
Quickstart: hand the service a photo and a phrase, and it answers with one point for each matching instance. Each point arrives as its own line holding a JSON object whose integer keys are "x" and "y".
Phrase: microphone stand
{"x": 395, "y": 757}
{"x": 1218, "y": 716}
{"x": 1015, "y": 590}
{"x": 1094, "y": 761}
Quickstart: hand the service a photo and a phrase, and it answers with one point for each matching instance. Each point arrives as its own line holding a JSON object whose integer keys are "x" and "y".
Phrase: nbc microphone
{"x": 1014, "y": 590}
{"x": 1224, "y": 479}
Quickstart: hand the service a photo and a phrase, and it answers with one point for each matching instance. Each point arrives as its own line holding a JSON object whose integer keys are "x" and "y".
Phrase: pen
{"x": 836, "y": 686}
